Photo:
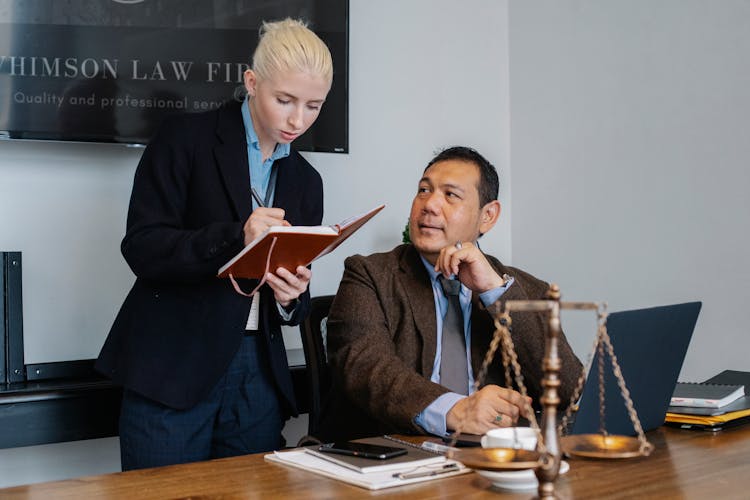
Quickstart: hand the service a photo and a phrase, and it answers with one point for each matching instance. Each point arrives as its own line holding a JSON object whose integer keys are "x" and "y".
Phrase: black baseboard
{"x": 74, "y": 407}
{"x": 42, "y": 413}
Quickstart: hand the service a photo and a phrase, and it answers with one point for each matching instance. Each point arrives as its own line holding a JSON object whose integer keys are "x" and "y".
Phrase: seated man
{"x": 403, "y": 355}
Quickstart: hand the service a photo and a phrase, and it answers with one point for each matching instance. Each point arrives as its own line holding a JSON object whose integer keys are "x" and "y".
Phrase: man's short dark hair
{"x": 489, "y": 184}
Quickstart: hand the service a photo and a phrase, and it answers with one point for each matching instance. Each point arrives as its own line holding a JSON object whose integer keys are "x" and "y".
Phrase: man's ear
{"x": 489, "y": 216}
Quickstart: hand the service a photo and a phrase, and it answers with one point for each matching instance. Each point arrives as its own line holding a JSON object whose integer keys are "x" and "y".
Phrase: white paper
{"x": 370, "y": 480}
{"x": 252, "y": 318}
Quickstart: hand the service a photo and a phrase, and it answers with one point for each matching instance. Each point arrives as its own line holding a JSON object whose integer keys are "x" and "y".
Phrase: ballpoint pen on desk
{"x": 430, "y": 446}
{"x": 438, "y": 448}
{"x": 428, "y": 472}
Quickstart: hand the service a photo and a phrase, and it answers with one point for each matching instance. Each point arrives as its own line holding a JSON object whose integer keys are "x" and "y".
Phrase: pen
{"x": 432, "y": 472}
{"x": 438, "y": 448}
{"x": 257, "y": 197}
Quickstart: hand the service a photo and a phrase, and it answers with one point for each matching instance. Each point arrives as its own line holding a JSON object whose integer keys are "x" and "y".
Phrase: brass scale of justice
{"x": 550, "y": 446}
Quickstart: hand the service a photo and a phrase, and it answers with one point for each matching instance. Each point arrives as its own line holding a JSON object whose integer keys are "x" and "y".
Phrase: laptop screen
{"x": 650, "y": 346}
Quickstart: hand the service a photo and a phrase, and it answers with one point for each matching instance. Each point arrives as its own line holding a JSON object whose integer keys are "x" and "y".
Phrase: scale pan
{"x": 496, "y": 459}
{"x": 600, "y": 446}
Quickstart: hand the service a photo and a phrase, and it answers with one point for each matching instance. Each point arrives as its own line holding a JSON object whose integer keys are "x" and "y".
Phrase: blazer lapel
{"x": 231, "y": 158}
{"x": 419, "y": 294}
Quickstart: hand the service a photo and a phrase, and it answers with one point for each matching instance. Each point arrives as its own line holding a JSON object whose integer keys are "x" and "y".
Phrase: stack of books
{"x": 715, "y": 404}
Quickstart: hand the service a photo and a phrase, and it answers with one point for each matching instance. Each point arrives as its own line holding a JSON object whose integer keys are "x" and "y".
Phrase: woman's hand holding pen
{"x": 260, "y": 220}
{"x": 286, "y": 286}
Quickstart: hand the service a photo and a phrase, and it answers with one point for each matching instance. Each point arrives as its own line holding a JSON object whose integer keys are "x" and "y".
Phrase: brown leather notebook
{"x": 291, "y": 246}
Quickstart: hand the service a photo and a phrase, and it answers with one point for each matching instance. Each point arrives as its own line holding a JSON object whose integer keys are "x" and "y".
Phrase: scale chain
{"x": 645, "y": 447}
{"x": 504, "y": 326}
{"x": 572, "y": 405}
{"x": 602, "y": 343}
{"x": 509, "y": 358}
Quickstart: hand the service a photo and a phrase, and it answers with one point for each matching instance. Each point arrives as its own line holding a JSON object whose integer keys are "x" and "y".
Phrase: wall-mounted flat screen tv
{"x": 110, "y": 70}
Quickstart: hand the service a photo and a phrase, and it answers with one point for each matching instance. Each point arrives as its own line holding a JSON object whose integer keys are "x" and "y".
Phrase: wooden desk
{"x": 685, "y": 464}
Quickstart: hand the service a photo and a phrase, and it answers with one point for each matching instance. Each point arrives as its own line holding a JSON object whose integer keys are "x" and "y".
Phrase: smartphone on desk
{"x": 363, "y": 450}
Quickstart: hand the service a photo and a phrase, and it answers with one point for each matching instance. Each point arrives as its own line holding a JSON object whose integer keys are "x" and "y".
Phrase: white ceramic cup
{"x": 510, "y": 437}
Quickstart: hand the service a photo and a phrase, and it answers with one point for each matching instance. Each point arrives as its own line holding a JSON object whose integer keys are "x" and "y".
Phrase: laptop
{"x": 650, "y": 345}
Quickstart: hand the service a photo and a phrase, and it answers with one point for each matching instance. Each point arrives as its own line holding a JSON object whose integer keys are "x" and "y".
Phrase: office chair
{"x": 316, "y": 360}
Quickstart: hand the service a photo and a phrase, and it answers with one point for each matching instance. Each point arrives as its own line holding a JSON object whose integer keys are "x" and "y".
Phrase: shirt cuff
{"x": 432, "y": 418}
{"x": 491, "y": 296}
{"x": 286, "y": 314}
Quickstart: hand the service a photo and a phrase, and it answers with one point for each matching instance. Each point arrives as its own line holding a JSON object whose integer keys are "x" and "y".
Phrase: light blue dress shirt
{"x": 432, "y": 418}
{"x": 260, "y": 171}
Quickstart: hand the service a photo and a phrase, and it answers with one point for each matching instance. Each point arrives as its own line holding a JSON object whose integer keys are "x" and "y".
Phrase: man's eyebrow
{"x": 453, "y": 186}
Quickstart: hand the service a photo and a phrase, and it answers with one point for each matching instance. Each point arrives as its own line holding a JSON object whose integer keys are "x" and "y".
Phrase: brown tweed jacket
{"x": 382, "y": 342}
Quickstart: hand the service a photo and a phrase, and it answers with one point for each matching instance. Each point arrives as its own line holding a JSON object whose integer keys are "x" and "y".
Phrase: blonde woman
{"x": 202, "y": 379}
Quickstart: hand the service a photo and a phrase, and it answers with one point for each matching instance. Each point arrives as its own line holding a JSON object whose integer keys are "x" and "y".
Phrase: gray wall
{"x": 629, "y": 145}
{"x": 63, "y": 206}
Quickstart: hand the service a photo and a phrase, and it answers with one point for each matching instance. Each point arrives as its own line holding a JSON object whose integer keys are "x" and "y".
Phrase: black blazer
{"x": 180, "y": 325}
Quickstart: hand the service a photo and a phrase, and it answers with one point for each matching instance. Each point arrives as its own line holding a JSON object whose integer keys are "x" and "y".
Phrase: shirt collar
{"x": 430, "y": 268}
{"x": 434, "y": 275}
{"x": 281, "y": 150}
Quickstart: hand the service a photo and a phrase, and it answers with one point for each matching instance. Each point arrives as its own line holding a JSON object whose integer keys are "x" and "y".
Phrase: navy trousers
{"x": 241, "y": 415}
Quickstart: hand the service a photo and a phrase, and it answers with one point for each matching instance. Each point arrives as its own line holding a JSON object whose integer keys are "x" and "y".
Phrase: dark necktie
{"x": 454, "y": 371}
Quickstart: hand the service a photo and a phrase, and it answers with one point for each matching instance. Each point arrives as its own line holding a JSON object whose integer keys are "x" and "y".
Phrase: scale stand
{"x": 546, "y": 459}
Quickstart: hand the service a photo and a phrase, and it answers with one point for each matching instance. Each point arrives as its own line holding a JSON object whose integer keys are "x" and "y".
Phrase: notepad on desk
{"x": 416, "y": 466}
{"x": 291, "y": 246}
{"x": 413, "y": 458}
{"x": 705, "y": 394}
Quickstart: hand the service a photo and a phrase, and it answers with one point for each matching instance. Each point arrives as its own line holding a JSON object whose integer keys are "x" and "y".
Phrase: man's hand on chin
{"x": 470, "y": 265}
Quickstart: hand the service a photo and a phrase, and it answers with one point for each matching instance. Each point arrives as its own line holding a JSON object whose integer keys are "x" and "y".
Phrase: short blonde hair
{"x": 290, "y": 45}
